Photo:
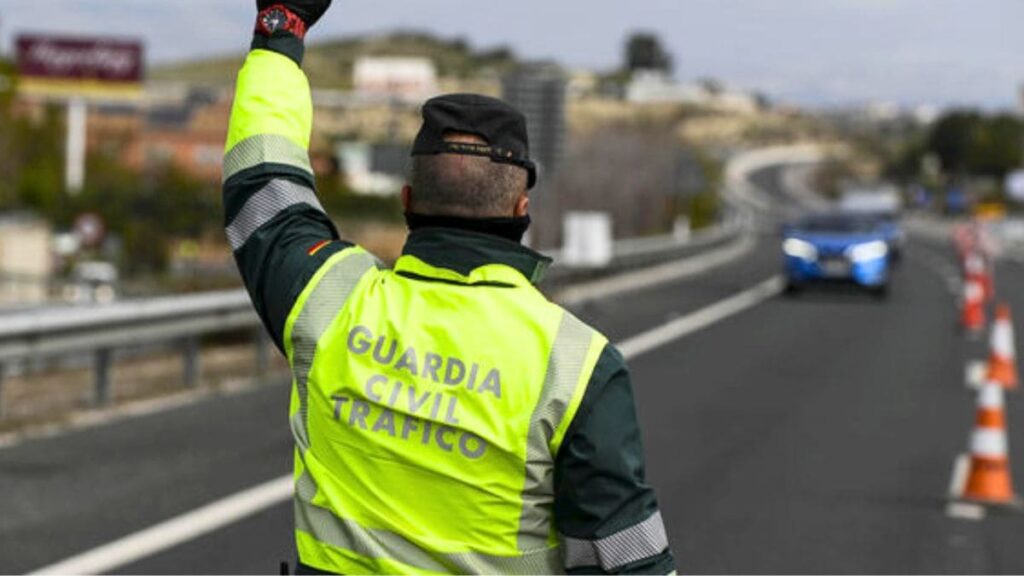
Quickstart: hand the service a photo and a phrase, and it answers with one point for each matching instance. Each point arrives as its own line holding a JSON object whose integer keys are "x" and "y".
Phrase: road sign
{"x": 64, "y": 67}
{"x": 90, "y": 229}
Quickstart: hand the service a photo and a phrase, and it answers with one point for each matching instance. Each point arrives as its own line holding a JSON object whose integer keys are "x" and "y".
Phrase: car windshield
{"x": 837, "y": 225}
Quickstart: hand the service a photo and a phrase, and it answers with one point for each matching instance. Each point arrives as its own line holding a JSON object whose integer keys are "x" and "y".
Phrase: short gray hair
{"x": 462, "y": 185}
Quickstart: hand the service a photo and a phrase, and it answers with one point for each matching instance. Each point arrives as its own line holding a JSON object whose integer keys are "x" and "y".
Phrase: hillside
{"x": 329, "y": 64}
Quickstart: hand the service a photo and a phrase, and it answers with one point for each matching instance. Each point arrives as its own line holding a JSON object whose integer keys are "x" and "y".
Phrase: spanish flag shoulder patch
{"x": 318, "y": 247}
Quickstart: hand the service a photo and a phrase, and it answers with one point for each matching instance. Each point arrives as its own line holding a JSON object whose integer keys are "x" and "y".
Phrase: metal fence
{"x": 60, "y": 332}
{"x": 56, "y": 332}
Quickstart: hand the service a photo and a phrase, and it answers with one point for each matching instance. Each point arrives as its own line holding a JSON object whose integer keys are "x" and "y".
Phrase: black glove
{"x": 281, "y": 25}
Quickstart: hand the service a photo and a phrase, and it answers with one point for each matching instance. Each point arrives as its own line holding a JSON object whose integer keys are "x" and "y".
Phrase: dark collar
{"x": 463, "y": 251}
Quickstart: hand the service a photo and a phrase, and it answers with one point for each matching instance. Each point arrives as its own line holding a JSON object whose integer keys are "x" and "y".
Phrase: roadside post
{"x": 588, "y": 239}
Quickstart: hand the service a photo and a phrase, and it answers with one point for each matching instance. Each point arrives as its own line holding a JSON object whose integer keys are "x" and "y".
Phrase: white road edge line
{"x": 191, "y": 525}
{"x": 177, "y": 530}
{"x": 686, "y": 325}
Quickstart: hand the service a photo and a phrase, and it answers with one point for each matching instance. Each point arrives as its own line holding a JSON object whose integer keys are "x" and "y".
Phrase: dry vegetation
{"x": 53, "y": 395}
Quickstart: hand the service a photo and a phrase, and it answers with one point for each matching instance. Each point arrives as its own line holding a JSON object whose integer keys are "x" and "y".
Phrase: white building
{"x": 655, "y": 87}
{"x": 401, "y": 77}
{"x": 361, "y": 174}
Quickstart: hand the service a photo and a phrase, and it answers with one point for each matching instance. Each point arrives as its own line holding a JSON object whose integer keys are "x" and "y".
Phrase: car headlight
{"x": 868, "y": 251}
{"x": 800, "y": 249}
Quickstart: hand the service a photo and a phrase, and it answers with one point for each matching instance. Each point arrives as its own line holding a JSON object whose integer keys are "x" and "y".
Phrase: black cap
{"x": 499, "y": 124}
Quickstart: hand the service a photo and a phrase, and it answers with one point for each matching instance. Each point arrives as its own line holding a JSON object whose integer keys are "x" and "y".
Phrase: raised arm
{"x": 277, "y": 228}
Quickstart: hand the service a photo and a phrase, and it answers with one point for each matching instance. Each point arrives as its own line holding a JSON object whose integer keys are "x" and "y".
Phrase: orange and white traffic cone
{"x": 972, "y": 312}
{"x": 976, "y": 267}
{"x": 1002, "y": 362}
{"x": 989, "y": 480}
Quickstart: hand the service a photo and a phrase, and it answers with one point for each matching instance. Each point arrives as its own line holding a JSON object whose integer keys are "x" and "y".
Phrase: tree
{"x": 966, "y": 143}
{"x": 997, "y": 147}
{"x": 951, "y": 139}
{"x": 644, "y": 51}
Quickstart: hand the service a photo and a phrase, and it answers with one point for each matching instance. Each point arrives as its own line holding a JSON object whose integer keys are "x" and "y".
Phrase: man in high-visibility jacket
{"x": 446, "y": 416}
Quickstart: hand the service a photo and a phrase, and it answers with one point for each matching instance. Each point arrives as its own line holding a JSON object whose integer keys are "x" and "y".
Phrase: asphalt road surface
{"x": 813, "y": 434}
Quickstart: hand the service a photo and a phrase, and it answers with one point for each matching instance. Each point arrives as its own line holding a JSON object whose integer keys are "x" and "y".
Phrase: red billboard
{"x": 74, "y": 66}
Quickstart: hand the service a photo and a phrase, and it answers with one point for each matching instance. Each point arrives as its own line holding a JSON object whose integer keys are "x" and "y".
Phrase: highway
{"x": 813, "y": 434}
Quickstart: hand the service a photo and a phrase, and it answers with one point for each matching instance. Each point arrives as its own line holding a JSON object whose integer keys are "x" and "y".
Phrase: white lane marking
{"x": 659, "y": 274}
{"x": 680, "y": 327}
{"x": 965, "y": 511}
{"x": 944, "y": 269}
{"x": 231, "y": 509}
{"x": 975, "y": 372}
{"x": 177, "y": 530}
{"x": 957, "y": 482}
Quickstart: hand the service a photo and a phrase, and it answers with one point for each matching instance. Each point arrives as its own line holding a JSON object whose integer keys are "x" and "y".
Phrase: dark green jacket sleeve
{"x": 605, "y": 512}
{"x": 277, "y": 228}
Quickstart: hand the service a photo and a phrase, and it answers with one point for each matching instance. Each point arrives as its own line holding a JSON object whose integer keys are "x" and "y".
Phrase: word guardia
{"x": 400, "y": 410}
{"x": 450, "y": 370}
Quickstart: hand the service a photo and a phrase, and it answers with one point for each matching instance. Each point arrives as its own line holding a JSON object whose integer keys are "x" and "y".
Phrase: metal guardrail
{"x": 46, "y": 333}
{"x": 100, "y": 330}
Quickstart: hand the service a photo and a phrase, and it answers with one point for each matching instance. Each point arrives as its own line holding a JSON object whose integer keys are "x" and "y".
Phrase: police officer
{"x": 446, "y": 416}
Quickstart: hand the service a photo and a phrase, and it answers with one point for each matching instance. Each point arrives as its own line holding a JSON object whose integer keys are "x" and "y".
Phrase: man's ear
{"x": 406, "y": 198}
{"x": 522, "y": 207}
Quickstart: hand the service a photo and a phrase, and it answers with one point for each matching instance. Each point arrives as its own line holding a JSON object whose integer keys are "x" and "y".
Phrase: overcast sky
{"x": 814, "y": 52}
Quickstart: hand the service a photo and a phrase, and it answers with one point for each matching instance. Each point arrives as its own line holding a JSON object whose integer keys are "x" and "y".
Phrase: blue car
{"x": 831, "y": 248}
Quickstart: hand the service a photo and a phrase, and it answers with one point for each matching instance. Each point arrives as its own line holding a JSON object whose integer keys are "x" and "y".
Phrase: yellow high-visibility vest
{"x": 428, "y": 408}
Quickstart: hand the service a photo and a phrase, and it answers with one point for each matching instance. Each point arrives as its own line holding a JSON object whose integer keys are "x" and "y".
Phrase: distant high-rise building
{"x": 539, "y": 92}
